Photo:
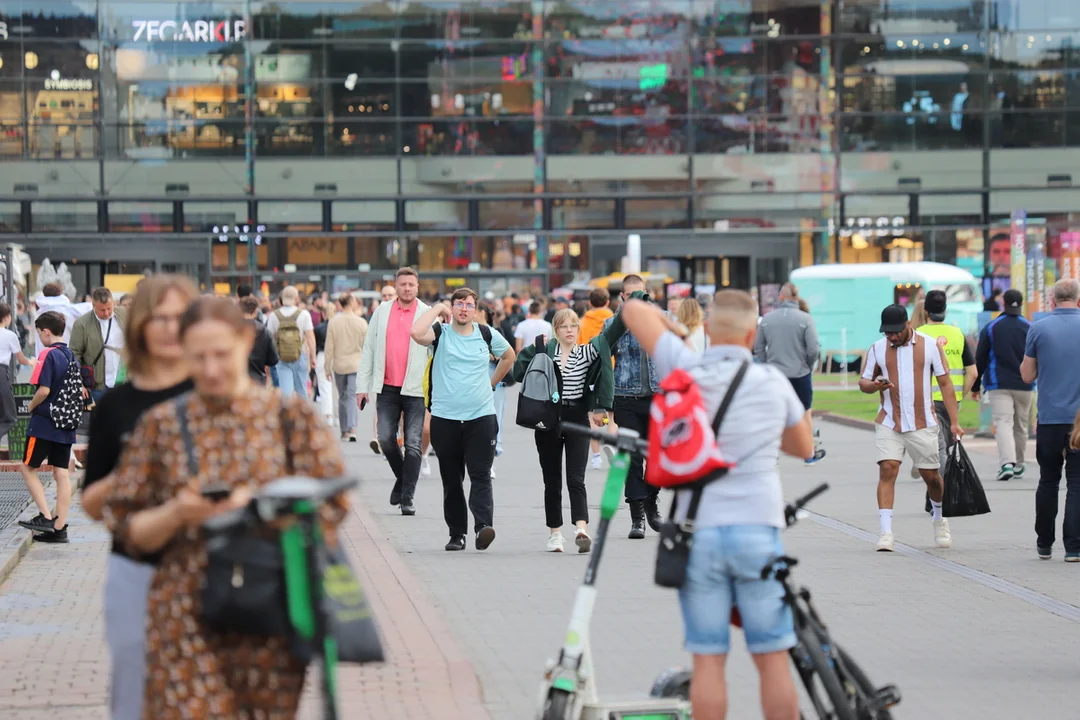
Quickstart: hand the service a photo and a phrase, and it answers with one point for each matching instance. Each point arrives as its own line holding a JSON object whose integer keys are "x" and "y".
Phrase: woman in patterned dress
{"x": 239, "y": 432}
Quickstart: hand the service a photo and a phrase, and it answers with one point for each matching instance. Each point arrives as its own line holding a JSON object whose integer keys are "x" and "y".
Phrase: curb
{"x": 15, "y": 541}
{"x": 843, "y": 420}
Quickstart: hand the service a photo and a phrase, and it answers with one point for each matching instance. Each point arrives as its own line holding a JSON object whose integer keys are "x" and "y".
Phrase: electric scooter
{"x": 297, "y": 498}
{"x": 568, "y": 691}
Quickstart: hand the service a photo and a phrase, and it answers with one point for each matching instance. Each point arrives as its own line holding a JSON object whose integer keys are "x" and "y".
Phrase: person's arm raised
{"x": 421, "y": 331}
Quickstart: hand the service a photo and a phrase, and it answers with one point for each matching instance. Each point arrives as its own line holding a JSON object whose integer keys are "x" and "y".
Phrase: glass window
{"x": 646, "y": 63}
{"x": 380, "y": 253}
{"x": 51, "y": 18}
{"x": 588, "y": 20}
{"x": 1035, "y": 15}
{"x": 434, "y": 214}
{"x": 918, "y": 129}
{"x": 934, "y": 96}
{"x": 516, "y": 252}
{"x": 449, "y": 253}
{"x": 468, "y": 137}
{"x": 581, "y": 213}
{"x": 315, "y": 252}
{"x": 873, "y": 16}
{"x": 507, "y": 214}
{"x": 652, "y": 133}
{"x": 211, "y": 217}
{"x": 140, "y": 217}
{"x": 914, "y": 53}
{"x": 349, "y": 215}
{"x": 10, "y": 217}
{"x": 1045, "y": 50}
{"x": 467, "y": 19}
{"x": 64, "y": 217}
{"x": 794, "y": 133}
{"x": 369, "y": 62}
{"x": 658, "y": 213}
{"x": 447, "y": 61}
{"x": 375, "y": 139}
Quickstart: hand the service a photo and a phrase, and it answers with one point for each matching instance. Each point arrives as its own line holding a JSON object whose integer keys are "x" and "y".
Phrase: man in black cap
{"x": 958, "y": 355}
{"x": 899, "y": 367}
{"x": 1000, "y": 352}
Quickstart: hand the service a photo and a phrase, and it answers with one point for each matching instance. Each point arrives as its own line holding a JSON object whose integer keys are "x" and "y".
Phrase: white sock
{"x": 935, "y": 510}
{"x": 885, "y": 516}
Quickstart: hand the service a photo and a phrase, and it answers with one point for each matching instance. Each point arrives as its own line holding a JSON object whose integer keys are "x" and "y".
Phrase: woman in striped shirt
{"x": 586, "y": 385}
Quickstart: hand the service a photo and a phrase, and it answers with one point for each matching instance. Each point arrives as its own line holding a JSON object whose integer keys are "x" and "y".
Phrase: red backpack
{"x": 682, "y": 438}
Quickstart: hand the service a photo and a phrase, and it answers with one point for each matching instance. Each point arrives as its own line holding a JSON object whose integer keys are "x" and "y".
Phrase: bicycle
{"x": 848, "y": 692}
{"x": 297, "y": 498}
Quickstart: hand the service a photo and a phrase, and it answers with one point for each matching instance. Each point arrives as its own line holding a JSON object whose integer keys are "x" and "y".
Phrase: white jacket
{"x": 373, "y": 359}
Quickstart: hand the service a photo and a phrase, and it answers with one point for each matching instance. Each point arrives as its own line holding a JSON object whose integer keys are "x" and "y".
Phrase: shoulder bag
{"x": 244, "y": 585}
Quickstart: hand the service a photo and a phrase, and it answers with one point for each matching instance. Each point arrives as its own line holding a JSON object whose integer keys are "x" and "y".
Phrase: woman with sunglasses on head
{"x": 586, "y": 387}
{"x": 156, "y": 373}
{"x": 241, "y": 436}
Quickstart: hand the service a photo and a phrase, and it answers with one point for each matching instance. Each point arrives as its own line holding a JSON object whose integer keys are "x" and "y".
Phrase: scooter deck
{"x": 648, "y": 709}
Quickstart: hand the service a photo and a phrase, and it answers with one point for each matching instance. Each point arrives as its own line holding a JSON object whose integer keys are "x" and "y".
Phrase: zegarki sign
{"x": 194, "y": 31}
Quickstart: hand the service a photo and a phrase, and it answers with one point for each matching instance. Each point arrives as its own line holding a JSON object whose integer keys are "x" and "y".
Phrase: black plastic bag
{"x": 964, "y": 494}
{"x": 351, "y": 622}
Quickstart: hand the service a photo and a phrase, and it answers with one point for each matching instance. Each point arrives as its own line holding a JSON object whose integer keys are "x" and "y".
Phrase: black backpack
{"x": 538, "y": 405}
{"x": 66, "y": 406}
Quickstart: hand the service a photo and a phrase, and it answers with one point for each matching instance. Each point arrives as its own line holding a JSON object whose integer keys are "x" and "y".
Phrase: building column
{"x": 830, "y": 159}
{"x": 539, "y": 150}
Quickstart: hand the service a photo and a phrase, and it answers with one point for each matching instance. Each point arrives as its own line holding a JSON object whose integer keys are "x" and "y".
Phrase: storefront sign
{"x": 207, "y": 31}
{"x": 330, "y": 252}
{"x": 68, "y": 84}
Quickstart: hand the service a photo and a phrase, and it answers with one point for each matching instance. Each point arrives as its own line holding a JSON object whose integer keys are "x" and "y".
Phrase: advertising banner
{"x": 1035, "y": 274}
{"x": 1070, "y": 255}
{"x": 1018, "y": 237}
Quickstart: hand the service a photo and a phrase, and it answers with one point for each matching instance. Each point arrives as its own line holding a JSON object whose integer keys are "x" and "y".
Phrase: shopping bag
{"x": 964, "y": 494}
{"x": 350, "y": 620}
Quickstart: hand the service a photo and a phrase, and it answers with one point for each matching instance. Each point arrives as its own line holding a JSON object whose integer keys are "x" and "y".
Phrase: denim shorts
{"x": 724, "y": 572}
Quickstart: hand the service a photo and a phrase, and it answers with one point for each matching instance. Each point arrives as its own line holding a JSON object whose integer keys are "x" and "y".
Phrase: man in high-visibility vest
{"x": 959, "y": 357}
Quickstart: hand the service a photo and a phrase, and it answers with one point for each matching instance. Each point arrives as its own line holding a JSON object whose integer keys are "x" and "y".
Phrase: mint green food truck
{"x": 846, "y": 300}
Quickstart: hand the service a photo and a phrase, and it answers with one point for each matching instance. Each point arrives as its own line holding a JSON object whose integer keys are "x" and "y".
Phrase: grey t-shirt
{"x": 763, "y": 407}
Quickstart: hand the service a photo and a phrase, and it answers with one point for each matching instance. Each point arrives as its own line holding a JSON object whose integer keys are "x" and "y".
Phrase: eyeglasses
{"x": 464, "y": 306}
{"x": 164, "y": 319}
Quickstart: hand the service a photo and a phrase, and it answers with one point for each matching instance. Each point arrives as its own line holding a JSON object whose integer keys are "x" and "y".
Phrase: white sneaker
{"x": 555, "y": 542}
{"x": 425, "y": 467}
{"x": 492, "y": 473}
{"x": 597, "y": 463}
{"x": 583, "y": 541}
{"x": 942, "y": 536}
{"x": 885, "y": 543}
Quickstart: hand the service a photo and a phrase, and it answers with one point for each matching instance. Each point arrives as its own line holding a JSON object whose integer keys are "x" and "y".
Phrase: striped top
{"x": 576, "y": 370}
{"x": 911, "y": 369}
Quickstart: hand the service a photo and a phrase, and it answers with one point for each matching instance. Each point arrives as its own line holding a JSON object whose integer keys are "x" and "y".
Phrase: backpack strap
{"x": 485, "y": 332}
{"x": 698, "y": 488}
{"x": 181, "y": 404}
{"x": 437, "y": 329}
{"x": 541, "y": 347}
{"x": 729, "y": 396}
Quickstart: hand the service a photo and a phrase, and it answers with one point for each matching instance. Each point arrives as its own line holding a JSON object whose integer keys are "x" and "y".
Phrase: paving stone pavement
{"x": 966, "y": 632}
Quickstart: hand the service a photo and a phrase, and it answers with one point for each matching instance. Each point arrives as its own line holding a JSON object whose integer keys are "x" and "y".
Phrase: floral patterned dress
{"x": 193, "y": 671}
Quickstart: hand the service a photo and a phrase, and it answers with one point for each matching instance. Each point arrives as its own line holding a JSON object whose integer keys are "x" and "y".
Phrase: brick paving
{"x": 468, "y": 633}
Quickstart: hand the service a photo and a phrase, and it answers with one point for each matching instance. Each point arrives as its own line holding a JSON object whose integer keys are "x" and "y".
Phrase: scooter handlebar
{"x": 627, "y": 440}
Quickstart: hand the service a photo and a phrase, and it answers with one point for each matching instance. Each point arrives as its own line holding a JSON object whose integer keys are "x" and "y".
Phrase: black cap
{"x": 935, "y": 304}
{"x": 894, "y": 318}
{"x": 561, "y": 299}
{"x": 1013, "y": 302}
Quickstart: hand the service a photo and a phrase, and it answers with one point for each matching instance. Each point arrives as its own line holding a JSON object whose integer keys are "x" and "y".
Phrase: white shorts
{"x": 921, "y": 445}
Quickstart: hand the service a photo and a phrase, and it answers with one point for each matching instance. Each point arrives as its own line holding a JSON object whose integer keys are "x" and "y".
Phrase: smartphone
{"x": 363, "y": 404}
{"x": 888, "y": 383}
{"x": 216, "y": 493}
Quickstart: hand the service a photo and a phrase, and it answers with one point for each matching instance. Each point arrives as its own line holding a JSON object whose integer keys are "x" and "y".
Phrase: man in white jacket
{"x": 392, "y": 368}
{"x": 52, "y": 298}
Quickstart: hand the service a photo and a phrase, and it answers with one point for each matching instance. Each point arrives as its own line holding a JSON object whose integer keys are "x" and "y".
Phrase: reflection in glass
{"x": 652, "y": 133}
{"x": 468, "y": 137}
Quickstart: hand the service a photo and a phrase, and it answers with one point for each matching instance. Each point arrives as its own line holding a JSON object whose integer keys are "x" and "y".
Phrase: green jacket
{"x": 601, "y": 377}
{"x": 86, "y": 342}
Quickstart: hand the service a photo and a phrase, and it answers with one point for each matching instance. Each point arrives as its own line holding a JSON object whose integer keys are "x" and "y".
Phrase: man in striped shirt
{"x": 899, "y": 368}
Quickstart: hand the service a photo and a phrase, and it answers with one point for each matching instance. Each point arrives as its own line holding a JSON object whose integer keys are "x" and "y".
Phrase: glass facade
{"x": 521, "y": 141}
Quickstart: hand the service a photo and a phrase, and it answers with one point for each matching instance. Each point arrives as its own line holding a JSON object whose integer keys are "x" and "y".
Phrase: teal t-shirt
{"x": 460, "y": 384}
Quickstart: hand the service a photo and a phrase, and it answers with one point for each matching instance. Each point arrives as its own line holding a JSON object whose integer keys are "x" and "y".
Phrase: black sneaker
{"x": 457, "y": 542}
{"x": 39, "y": 524}
{"x": 484, "y": 537}
{"x": 395, "y": 497}
{"x": 57, "y": 537}
{"x": 374, "y": 445}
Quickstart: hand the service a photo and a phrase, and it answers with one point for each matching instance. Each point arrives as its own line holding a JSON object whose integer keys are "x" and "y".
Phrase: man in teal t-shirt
{"x": 463, "y": 423}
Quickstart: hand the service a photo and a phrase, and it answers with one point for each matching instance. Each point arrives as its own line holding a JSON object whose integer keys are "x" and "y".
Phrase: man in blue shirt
{"x": 1000, "y": 351}
{"x": 464, "y": 427}
{"x": 45, "y": 442}
{"x": 1053, "y": 347}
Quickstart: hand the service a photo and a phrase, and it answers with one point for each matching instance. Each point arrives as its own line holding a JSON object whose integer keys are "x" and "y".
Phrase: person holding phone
{"x": 899, "y": 368}
{"x": 156, "y": 373}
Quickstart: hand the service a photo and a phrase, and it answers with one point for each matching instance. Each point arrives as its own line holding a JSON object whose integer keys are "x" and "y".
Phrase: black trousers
{"x": 465, "y": 445}
{"x": 551, "y": 446}
{"x": 1053, "y": 452}
{"x": 632, "y": 413}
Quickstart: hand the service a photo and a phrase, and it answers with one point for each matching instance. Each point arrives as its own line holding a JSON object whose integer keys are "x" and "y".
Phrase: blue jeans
{"x": 725, "y": 572}
{"x": 294, "y": 376}
{"x": 394, "y": 409}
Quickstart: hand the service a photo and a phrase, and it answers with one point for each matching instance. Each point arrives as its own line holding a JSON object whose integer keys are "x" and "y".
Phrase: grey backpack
{"x": 538, "y": 404}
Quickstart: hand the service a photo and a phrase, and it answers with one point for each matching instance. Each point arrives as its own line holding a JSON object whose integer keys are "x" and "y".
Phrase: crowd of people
{"x": 189, "y": 391}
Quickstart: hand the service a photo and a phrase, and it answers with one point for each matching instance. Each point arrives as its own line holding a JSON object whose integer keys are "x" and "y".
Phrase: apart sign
{"x": 207, "y": 31}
